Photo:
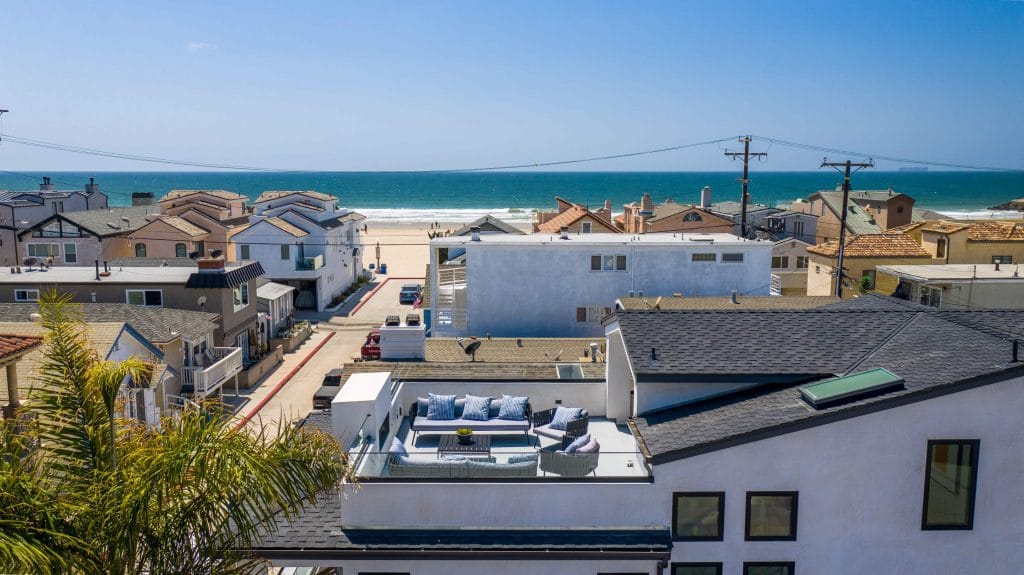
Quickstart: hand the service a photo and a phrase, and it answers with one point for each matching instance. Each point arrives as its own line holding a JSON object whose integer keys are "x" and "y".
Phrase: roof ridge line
{"x": 884, "y": 342}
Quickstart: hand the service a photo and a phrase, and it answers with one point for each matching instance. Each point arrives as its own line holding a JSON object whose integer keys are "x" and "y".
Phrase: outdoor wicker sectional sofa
{"x": 419, "y": 423}
{"x": 470, "y": 468}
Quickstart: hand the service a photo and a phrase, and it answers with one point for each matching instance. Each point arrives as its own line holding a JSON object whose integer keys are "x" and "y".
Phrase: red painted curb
{"x": 285, "y": 380}
{"x": 373, "y": 292}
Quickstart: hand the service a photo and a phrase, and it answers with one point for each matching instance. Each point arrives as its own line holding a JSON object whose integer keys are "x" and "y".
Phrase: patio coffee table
{"x": 450, "y": 445}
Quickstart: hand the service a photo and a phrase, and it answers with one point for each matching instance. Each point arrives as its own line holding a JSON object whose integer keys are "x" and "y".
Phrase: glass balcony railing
{"x": 536, "y": 465}
{"x": 309, "y": 264}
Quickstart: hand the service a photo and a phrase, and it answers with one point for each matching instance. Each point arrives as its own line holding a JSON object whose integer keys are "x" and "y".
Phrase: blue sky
{"x": 431, "y": 85}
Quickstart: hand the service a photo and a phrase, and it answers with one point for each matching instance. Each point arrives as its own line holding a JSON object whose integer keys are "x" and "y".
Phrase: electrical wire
{"x": 887, "y": 158}
{"x": 119, "y": 155}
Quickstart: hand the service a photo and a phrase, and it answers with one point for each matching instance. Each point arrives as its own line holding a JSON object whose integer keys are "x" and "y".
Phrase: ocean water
{"x": 450, "y": 197}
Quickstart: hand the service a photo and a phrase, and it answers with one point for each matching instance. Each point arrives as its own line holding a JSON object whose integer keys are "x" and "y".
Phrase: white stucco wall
{"x": 533, "y": 289}
{"x": 861, "y": 485}
{"x": 492, "y": 566}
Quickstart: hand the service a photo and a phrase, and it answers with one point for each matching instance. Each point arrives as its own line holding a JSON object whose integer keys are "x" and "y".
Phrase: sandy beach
{"x": 404, "y": 246}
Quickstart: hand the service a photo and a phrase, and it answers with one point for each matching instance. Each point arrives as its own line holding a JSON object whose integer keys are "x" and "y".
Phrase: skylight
{"x": 851, "y": 386}
{"x": 570, "y": 371}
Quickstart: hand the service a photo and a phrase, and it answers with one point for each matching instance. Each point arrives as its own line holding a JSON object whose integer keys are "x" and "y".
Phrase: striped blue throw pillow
{"x": 563, "y": 415}
{"x": 477, "y": 408}
{"x": 440, "y": 406}
{"x": 513, "y": 408}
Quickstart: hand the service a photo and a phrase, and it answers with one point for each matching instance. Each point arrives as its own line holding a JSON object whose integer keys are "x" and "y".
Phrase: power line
{"x": 847, "y": 165}
{"x": 133, "y": 157}
{"x": 895, "y": 159}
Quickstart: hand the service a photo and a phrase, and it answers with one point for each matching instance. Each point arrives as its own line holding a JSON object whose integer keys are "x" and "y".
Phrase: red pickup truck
{"x": 371, "y": 348}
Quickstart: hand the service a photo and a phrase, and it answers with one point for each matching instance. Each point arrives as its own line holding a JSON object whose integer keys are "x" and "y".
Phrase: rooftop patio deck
{"x": 618, "y": 459}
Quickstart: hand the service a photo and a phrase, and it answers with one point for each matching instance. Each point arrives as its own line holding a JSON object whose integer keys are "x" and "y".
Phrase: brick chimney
{"x": 92, "y": 187}
{"x": 211, "y": 265}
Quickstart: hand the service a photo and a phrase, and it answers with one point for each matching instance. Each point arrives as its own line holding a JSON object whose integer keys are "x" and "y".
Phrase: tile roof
{"x": 284, "y": 226}
{"x": 725, "y": 302}
{"x": 154, "y": 323}
{"x": 884, "y": 245}
{"x": 572, "y": 215}
{"x": 275, "y": 194}
{"x": 109, "y": 222}
{"x": 934, "y": 351}
{"x": 184, "y": 226}
{"x": 223, "y": 194}
{"x": 506, "y": 350}
{"x": 996, "y": 232}
{"x": 11, "y": 345}
{"x": 943, "y": 227}
{"x": 488, "y": 221}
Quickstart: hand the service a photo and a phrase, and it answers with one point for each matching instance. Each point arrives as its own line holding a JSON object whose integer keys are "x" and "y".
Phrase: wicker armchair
{"x": 575, "y": 428}
{"x": 569, "y": 464}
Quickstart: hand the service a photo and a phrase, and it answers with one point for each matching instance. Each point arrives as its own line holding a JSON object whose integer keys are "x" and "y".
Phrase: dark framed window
{"x": 285, "y": 251}
{"x": 732, "y": 258}
{"x": 949, "y": 484}
{"x": 696, "y": 569}
{"x": 1002, "y": 259}
{"x": 180, "y": 251}
{"x": 771, "y": 515}
{"x": 140, "y": 250}
{"x": 768, "y": 568}
{"x": 698, "y": 516}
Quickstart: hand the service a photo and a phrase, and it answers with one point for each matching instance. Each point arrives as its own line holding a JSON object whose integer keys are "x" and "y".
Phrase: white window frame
{"x": 804, "y": 260}
{"x": 586, "y": 227}
{"x": 784, "y": 260}
{"x": 128, "y": 292}
{"x": 27, "y": 293}
{"x": 243, "y": 296}
{"x": 73, "y": 253}
{"x": 609, "y": 263}
{"x": 55, "y": 254}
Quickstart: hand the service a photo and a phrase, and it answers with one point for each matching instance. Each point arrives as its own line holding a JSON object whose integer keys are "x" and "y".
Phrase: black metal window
{"x": 771, "y": 515}
{"x": 769, "y": 568}
{"x": 696, "y": 569}
{"x": 949, "y": 484}
{"x": 698, "y": 516}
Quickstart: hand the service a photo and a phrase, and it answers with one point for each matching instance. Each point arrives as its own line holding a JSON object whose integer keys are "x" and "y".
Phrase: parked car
{"x": 328, "y": 389}
{"x": 410, "y": 293}
{"x": 371, "y": 348}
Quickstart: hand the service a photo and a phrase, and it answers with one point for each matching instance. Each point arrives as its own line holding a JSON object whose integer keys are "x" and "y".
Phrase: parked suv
{"x": 331, "y": 386}
{"x": 409, "y": 293}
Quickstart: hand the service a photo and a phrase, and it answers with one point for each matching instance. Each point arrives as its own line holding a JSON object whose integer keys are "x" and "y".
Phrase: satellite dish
{"x": 193, "y": 255}
{"x": 202, "y": 300}
{"x": 216, "y": 253}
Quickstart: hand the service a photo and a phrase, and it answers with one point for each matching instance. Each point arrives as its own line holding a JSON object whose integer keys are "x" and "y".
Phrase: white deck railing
{"x": 206, "y": 380}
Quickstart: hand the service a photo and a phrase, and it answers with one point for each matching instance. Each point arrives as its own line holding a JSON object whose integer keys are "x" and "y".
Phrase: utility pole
{"x": 847, "y": 169}
{"x": 746, "y": 155}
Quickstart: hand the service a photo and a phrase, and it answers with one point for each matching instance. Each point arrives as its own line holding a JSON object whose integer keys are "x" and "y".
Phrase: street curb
{"x": 374, "y": 291}
{"x": 283, "y": 381}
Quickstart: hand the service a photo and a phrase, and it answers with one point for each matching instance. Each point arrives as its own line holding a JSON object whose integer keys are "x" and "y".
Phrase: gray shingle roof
{"x": 488, "y": 223}
{"x": 935, "y": 352}
{"x": 154, "y": 323}
{"x": 98, "y": 221}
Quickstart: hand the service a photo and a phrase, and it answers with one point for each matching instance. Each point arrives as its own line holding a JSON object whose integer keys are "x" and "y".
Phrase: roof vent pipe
{"x": 654, "y": 354}
{"x": 593, "y": 352}
{"x": 1016, "y": 345}
{"x": 735, "y": 294}
{"x": 97, "y": 270}
{"x": 564, "y": 231}
{"x": 997, "y": 266}
{"x": 474, "y": 233}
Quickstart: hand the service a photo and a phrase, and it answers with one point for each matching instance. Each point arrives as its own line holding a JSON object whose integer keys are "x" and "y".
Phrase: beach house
{"x": 563, "y": 284}
{"x": 862, "y": 255}
{"x": 217, "y": 212}
{"x": 955, "y": 286}
{"x": 306, "y": 241}
{"x": 868, "y": 211}
{"x": 646, "y": 217}
{"x": 705, "y": 448}
{"x": 576, "y": 217}
{"x": 23, "y": 209}
{"x": 80, "y": 238}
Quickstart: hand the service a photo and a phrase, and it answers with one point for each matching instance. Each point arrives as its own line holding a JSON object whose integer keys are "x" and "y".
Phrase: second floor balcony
{"x": 309, "y": 263}
{"x": 220, "y": 364}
